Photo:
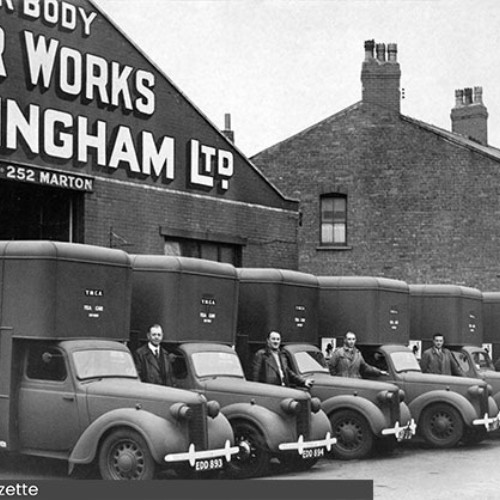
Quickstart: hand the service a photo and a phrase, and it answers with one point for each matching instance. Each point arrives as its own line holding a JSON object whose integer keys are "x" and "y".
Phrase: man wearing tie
{"x": 152, "y": 361}
{"x": 271, "y": 367}
{"x": 439, "y": 360}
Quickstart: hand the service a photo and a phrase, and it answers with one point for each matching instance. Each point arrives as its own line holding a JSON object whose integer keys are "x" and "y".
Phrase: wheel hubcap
{"x": 349, "y": 434}
{"x": 127, "y": 460}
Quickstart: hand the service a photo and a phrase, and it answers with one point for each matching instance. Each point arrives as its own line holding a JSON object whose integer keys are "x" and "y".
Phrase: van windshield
{"x": 98, "y": 363}
{"x": 217, "y": 364}
{"x": 309, "y": 361}
{"x": 405, "y": 361}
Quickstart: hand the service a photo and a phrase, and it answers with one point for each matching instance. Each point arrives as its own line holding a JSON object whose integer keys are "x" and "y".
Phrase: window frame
{"x": 333, "y": 244}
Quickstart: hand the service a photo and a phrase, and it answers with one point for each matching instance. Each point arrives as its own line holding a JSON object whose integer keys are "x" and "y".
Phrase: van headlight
{"x": 290, "y": 406}
{"x": 213, "y": 408}
{"x": 181, "y": 411}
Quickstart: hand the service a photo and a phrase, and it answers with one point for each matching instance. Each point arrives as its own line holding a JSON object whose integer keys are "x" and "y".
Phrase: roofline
{"x": 194, "y": 106}
{"x": 306, "y": 130}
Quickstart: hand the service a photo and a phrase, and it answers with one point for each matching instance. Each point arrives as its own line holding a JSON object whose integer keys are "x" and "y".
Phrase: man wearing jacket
{"x": 152, "y": 361}
{"x": 270, "y": 365}
{"x": 438, "y": 359}
{"x": 347, "y": 361}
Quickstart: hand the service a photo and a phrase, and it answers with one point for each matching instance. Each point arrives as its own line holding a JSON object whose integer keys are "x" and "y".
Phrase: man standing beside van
{"x": 438, "y": 359}
{"x": 152, "y": 361}
{"x": 270, "y": 365}
{"x": 347, "y": 361}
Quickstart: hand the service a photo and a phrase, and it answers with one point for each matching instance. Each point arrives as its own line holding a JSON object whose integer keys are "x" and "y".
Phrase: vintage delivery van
{"x": 195, "y": 301}
{"x": 447, "y": 409}
{"x": 365, "y": 415}
{"x": 457, "y": 313}
{"x": 69, "y": 388}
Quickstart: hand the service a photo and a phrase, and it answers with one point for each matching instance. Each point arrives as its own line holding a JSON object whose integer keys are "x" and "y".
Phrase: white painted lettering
{"x": 124, "y": 151}
{"x": 162, "y": 160}
{"x": 58, "y": 13}
{"x": 87, "y": 20}
{"x": 86, "y": 141}
{"x": 120, "y": 85}
{"x": 144, "y": 83}
{"x": 41, "y": 58}
{"x": 31, "y": 8}
{"x": 3, "y": 71}
{"x": 8, "y": 4}
{"x": 97, "y": 76}
{"x": 225, "y": 167}
{"x": 28, "y": 128}
{"x": 196, "y": 176}
{"x": 70, "y": 77}
{"x": 58, "y": 145}
{"x": 68, "y": 16}
{"x": 51, "y": 11}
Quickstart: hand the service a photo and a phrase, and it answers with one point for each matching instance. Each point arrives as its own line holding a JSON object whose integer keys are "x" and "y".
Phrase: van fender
{"x": 320, "y": 426}
{"x": 372, "y": 413}
{"x": 161, "y": 435}
{"x": 459, "y": 402}
{"x": 219, "y": 431}
{"x": 273, "y": 426}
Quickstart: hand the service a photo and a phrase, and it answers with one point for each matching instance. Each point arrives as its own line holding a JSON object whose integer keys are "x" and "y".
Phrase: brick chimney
{"x": 381, "y": 75}
{"x": 469, "y": 117}
{"x": 227, "y": 127}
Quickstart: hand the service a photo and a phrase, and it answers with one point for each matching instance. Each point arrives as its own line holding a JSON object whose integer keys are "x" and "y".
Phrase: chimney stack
{"x": 381, "y": 75}
{"x": 469, "y": 117}
{"x": 227, "y": 127}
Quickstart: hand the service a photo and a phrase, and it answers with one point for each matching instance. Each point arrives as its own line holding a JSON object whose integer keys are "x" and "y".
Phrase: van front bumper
{"x": 402, "y": 431}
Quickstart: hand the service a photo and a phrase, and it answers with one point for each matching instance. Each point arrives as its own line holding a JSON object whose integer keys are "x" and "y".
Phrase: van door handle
{"x": 69, "y": 398}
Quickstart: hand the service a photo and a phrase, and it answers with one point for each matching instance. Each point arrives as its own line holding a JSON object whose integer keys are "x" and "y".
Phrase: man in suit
{"x": 152, "y": 360}
{"x": 271, "y": 366}
{"x": 438, "y": 359}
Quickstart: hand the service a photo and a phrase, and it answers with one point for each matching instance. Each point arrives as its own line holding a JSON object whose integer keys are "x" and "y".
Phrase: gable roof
{"x": 457, "y": 139}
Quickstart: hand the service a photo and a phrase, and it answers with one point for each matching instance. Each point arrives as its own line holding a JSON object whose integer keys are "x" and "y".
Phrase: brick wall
{"x": 136, "y": 214}
{"x": 420, "y": 208}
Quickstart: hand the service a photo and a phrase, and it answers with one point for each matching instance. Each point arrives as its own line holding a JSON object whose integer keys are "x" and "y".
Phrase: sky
{"x": 281, "y": 66}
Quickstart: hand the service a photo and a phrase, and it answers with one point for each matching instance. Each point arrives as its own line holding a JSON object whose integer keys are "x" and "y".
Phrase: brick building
{"x": 98, "y": 146}
{"x": 383, "y": 194}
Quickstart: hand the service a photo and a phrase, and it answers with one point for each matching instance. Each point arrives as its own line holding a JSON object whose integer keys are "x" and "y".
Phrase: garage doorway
{"x": 34, "y": 212}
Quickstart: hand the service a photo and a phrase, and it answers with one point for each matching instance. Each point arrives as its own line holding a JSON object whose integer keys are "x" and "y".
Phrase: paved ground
{"x": 411, "y": 472}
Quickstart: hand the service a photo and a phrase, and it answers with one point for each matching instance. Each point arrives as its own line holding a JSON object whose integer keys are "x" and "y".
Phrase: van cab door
{"x": 47, "y": 404}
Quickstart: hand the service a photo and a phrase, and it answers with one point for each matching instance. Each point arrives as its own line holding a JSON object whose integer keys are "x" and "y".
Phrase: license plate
{"x": 209, "y": 464}
{"x": 404, "y": 434}
{"x": 313, "y": 453}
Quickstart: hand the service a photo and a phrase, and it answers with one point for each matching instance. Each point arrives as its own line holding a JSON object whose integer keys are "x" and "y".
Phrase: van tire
{"x": 353, "y": 433}
{"x": 124, "y": 454}
{"x": 253, "y": 458}
{"x": 441, "y": 425}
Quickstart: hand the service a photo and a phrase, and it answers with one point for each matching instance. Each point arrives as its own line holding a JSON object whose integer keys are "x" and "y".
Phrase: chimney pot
{"x": 227, "y": 127}
{"x": 459, "y": 98}
{"x": 381, "y": 52}
{"x": 478, "y": 95}
{"x": 369, "y": 46}
{"x": 392, "y": 52}
{"x": 469, "y": 120}
{"x": 467, "y": 96}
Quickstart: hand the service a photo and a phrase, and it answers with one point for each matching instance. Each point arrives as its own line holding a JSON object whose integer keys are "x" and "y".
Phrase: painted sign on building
{"x": 76, "y": 95}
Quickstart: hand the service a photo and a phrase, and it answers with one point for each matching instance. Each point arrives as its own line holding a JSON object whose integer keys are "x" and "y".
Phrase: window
{"x": 46, "y": 363}
{"x": 333, "y": 219}
{"x": 220, "y": 252}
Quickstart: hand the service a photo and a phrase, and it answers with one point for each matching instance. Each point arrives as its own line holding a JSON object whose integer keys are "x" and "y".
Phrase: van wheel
{"x": 125, "y": 455}
{"x": 253, "y": 457}
{"x": 441, "y": 425}
{"x": 354, "y": 436}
